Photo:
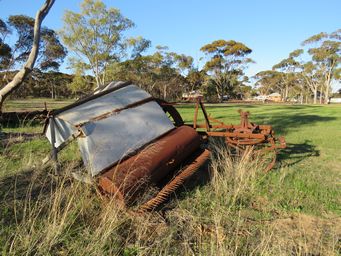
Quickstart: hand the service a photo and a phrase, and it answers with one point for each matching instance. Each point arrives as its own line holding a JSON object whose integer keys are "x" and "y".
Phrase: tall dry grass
{"x": 66, "y": 217}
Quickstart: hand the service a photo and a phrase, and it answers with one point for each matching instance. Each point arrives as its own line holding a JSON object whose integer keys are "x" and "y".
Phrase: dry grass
{"x": 64, "y": 217}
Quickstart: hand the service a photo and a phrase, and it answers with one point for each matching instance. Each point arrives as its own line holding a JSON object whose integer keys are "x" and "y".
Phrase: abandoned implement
{"x": 240, "y": 137}
{"x": 129, "y": 141}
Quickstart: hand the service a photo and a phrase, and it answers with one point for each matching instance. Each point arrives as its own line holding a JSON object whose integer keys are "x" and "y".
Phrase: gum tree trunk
{"x": 27, "y": 68}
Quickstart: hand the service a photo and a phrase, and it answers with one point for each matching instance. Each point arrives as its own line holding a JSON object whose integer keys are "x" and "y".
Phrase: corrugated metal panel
{"x": 110, "y": 139}
{"x": 114, "y": 135}
{"x": 99, "y": 106}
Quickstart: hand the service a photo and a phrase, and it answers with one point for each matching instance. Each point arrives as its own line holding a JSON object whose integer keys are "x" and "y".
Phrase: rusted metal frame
{"x": 205, "y": 115}
{"x": 237, "y": 135}
{"x": 89, "y": 98}
{"x": 54, "y": 152}
{"x": 53, "y": 138}
{"x": 274, "y": 146}
{"x": 265, "y": 127}
{"x": 116, "y": 111}
{"x": 196, "y": 114}
{"x": 214, "y": 127}
{"x": 215, "y": 120}
{"x": 247, "y": 141}
{"x": 272, "y": 163}
{"x": 282, "y": 142}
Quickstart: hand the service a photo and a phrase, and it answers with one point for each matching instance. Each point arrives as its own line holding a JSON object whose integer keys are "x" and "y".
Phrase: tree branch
{"x": 27, "y": 68}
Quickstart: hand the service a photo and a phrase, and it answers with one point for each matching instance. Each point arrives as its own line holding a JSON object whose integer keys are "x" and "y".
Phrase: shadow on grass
{"x": 283, "y": 123}
{"x": 23, "y": 189}
{"x": 295, "y": 153}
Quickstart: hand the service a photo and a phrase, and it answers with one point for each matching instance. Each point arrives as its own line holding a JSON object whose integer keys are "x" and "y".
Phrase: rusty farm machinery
{"x": 129, "y": 140}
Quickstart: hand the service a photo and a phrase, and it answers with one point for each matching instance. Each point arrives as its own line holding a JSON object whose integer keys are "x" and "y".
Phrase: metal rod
{"x": 54, "y": 151}
{"x": 208, "y": 125}
{"x": 196, "y": 114}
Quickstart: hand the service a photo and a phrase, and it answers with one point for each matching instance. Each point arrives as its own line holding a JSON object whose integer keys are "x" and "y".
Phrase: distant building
{"x": 335, "y": 100}
{"x": 191, "y": 95}
{"x": 261, "y": 97}
{"x": 274, "y": 97}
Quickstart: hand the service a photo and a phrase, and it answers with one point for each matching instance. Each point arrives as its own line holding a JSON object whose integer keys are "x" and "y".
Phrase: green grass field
{"x": 309, "y": 177}
{"x": 293, "y": 210}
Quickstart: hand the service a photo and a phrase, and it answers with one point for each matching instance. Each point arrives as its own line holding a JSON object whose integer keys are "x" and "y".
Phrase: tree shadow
{"x": 19, "y": 119}
{"x": 282, "y": 123}
{"x": 295, "y": 153}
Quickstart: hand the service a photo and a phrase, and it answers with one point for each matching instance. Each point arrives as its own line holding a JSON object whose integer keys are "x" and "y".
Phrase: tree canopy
{"x": 96, "y": 37}
{"x": 226, "y": 63}
{"x": 51, "y": 53}
{"x": 20, "y": 76}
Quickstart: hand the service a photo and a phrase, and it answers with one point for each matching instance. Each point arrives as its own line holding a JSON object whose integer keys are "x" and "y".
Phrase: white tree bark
{"x": 27, "y": 68}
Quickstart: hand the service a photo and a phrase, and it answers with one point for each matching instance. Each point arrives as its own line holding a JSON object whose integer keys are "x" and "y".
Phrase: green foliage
{"x": 96, "y": 36}
{"x": 227, "y": 60}
{"x": 5, "y": 49}
{"x": 51, "y": 54}
{"x": 302, "y": 76}
{"x": 161, "y": 73}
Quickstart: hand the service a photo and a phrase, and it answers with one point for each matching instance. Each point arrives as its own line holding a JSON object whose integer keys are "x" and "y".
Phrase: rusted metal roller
{"x": 151, "y": 164}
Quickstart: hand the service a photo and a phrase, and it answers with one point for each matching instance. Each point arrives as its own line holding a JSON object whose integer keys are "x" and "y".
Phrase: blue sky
{"x": 272, "y": 29}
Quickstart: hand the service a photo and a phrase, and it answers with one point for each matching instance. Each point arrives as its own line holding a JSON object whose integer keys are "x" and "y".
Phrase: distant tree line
{"x": 100, "y": 52}
{"x": 308, "y": 73}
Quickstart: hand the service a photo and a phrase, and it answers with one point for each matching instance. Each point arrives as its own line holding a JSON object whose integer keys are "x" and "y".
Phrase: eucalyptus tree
{"x": 51, "y": 53}
{"x": 161, "y": 73}
{"x": 288, "y": 67}
{"x": 269, "y": 81}
{"x": 196, "y": 79}
{"x": 313, "y": 78}
{"x": 226, "y": 63}
{"x": 96, "y": 37}
{"x": 325, "y": 52}
{"x": 5, "y": 49}
{"x": 31, "y": 56}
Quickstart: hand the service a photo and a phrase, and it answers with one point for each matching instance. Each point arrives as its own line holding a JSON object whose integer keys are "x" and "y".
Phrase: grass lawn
{"x": 309, "y": 176}
{"x": 293, "y": 210}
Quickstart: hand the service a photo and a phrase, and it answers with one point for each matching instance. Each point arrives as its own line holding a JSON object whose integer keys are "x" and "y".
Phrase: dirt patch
{"x": 302, "y": 234}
